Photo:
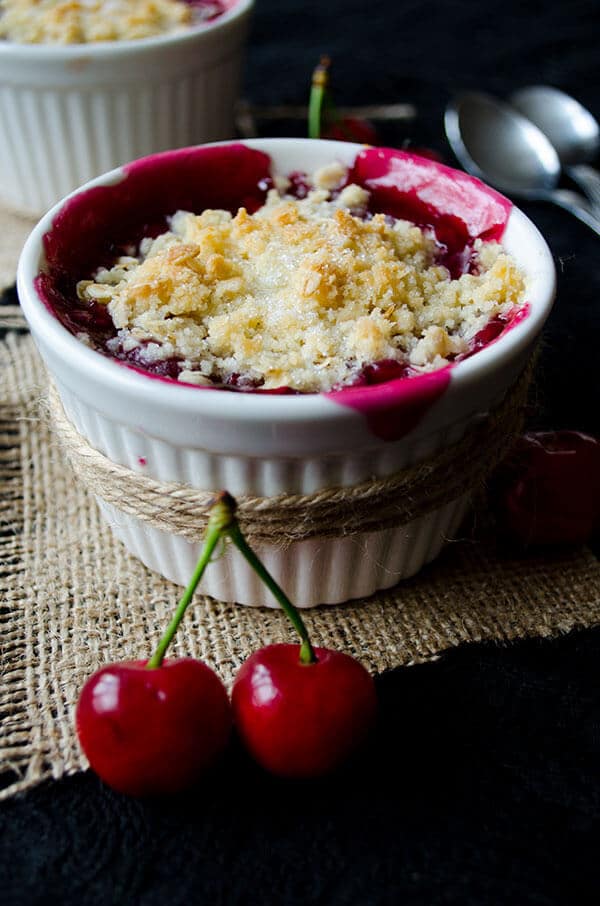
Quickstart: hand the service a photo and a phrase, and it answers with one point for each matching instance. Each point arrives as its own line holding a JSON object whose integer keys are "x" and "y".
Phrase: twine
{"x": 372, "y": 505}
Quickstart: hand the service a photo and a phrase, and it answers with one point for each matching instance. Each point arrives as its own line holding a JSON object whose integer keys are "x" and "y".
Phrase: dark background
{"x": 482, "y": 784}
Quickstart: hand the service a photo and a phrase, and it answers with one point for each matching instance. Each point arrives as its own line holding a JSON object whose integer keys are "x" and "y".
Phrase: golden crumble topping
{"x": 302, "y": 293}
{"x": 85, "y": 21}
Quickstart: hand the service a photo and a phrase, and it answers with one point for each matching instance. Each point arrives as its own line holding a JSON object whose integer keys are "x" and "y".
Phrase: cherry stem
{"x": 221, "y": 524}
{"x": 220, "y": 517}
{"x": 307, "y": 653}
{"x": 318, "y": 97}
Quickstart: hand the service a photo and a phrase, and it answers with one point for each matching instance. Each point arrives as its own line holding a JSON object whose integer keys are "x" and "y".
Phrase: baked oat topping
{"x": 303, "y": 293}
{"x": 86, "y": 21}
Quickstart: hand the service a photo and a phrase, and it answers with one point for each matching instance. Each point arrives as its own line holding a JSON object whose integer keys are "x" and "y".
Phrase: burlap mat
{"x": 73, "y": 599}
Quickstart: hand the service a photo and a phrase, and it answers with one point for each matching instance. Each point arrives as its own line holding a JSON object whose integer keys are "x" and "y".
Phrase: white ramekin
{"x": 69, "y": 113}
{"x": 267, "y": 445}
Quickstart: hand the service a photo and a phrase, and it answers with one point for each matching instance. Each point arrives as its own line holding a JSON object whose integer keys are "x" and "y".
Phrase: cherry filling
{"x": 299, "y": 185}
{"x": 492, "y": 330}
{"x": 380, "y": 373}
{"x": 207, "y": 10}
{"x": 102, "y": 223}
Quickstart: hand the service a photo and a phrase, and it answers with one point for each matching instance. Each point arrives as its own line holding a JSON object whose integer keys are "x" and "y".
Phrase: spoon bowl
{"x": 502, "y": 147}
{"x": 496, "y": 143}
{"x": 572, "y": 130}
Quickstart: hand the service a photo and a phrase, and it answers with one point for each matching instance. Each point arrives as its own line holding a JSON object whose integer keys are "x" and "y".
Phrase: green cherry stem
{"x": 318, "y": 97}
{"x": 220, "y": 517}
{"x": 307, "y": 653}
{"x": 222, "y": 523}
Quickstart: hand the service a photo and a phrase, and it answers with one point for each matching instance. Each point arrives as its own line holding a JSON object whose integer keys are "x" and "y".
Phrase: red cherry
{"x": 428, "y": 153}
{"x": 153, "y": 731}
{"x": 352, "y": 129}
{"x": 548, "y": 492}
{"x": 302, "y": 720}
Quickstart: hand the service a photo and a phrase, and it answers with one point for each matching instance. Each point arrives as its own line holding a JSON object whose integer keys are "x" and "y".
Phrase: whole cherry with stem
{"x": 323, "y": 119}
{"x": 154, "y": 727}
{"x": 300, "y": 711}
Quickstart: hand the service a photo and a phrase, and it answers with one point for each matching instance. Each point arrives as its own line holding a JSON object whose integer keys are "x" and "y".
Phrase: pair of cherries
{"x": 154, "y": 727}
{"x": 153, "y": 731}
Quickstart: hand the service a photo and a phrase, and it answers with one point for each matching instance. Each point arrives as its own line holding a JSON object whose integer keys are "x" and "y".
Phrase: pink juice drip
{"x": 394, "y": 408}
{"x": 96, "y": 222}
{"x": 100, "y": 223}
{"x": 460, "y": 209}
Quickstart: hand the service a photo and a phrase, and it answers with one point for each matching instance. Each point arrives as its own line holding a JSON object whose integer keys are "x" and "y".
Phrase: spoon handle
{"x": 577, "y": 206}
{"x": 587, "y": 179}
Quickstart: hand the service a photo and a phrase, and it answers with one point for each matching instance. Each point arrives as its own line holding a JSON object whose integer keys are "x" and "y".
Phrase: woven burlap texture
{"x": 73, "y": 599}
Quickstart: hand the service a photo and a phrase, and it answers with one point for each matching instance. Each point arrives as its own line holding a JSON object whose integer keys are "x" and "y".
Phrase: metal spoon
{"x": 502, "y": 147}
{"x": 572, "y": 130}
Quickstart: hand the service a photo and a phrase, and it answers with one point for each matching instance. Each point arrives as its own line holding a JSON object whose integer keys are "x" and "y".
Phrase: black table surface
{"x": 482, "y": 783}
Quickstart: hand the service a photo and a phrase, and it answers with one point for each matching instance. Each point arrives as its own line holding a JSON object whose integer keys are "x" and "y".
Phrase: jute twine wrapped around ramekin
{"x": 373, "y": 505}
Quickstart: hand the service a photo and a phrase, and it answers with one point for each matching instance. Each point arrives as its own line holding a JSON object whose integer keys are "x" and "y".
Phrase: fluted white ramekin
{"x": 69, "y": 113}
{"x": 268, "y": 445}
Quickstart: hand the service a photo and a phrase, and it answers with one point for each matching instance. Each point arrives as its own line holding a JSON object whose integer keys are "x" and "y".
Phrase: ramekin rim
{"x": 256, "y": 406}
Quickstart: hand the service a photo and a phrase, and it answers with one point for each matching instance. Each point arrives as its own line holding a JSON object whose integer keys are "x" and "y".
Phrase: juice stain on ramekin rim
{"x": 90, "y": 226}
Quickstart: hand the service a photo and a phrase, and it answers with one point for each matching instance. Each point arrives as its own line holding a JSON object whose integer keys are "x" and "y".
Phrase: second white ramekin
{"x": 268, "y": 445}
{"x": 69, "y": 113}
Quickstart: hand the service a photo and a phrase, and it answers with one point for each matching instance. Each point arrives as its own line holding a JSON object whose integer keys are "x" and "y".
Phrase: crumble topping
{"x": 85, "y": 21}
{"x": 303, "y": 293}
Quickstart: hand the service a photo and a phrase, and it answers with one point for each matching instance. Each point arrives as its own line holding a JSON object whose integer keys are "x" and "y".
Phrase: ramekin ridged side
{"x": 321, "y": 571}
{"x": 324, "y": 571}
{"x": 68, "y": 114}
